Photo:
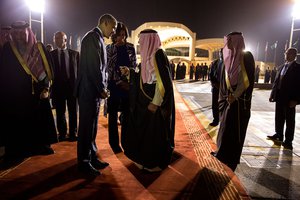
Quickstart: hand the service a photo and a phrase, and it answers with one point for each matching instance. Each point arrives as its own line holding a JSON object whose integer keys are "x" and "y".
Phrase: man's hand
{"x": 105, "y": 94}
{"x": 124, "y": 70}
{"x": 230, "y": 98}
{"x": 152, "y": 107}
{"x": 44, "y": 94}
{"x": 292, "y": 104}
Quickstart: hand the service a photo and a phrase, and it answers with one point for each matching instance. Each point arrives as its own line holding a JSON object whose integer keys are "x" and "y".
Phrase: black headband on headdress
{"x": 5, "y": 27}
{"x": 234, "y": 33}
{"x": 148, "y": 31}
{"x": 20, "y": 24}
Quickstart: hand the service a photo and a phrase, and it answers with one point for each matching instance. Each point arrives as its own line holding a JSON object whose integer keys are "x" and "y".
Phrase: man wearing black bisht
{"x": 150, "y": 139}
{"x": 172, "y": 66}
{"x": 236, "y": 86}
{"x": 25, "y": 77}
{"x": 257, "y": 71}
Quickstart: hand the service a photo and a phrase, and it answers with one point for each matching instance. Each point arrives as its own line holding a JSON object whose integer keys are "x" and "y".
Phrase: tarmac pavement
{"x": 267, "y": 170}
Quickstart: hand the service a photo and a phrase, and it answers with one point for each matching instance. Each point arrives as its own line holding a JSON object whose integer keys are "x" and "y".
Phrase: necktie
{"x": 63, "y": 68}
{"x": 282, "y": 73}
{"x": 284, "y": 69}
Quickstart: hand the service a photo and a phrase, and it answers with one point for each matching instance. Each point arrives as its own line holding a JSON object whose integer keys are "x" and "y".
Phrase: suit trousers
{"x": 63, "y": 99}
{"x": 88, "y": 126}
{"x": 285, "y": 114}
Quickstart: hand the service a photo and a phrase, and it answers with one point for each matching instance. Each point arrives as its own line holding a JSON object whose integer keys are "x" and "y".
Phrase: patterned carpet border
{"x": 202, "y": 144}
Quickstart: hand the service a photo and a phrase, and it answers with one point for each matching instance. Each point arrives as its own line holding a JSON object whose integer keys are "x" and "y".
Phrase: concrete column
{"x": 192, "y": 47}
{"x": 210, "y": 54}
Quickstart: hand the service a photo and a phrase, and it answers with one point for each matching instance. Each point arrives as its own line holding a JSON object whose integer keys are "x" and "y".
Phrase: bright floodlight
{"x": 296, "y": 10}
{"x": 36, "y": 5}
{"x": 247, "y": 48}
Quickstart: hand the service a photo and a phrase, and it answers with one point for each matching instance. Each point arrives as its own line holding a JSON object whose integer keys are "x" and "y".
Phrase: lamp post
{"x": 37, "y": 6}
{"x": 295, "y": 16}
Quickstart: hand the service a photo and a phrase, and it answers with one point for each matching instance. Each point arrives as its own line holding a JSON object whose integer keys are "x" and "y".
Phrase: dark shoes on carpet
{"x": 152, "y": 170}
{"x": 213, "y": 153}
{"x": 45, "y": 150}
{"x": 214, "y": 123}
{"x": 275, "y": 138}
{"x": 99, "y": 164}
{"x": 87, "y": 168}
{"x": 91, "y": 168}
{"x": 72, "y": 138}
{"x": 117, "y": 150}
{"x": 62, "y": 138}
{"x": 232, "y": 166}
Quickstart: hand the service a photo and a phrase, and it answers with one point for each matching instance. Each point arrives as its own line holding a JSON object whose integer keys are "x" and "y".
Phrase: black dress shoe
{"x": 214, "y": 123}
{"x": 287, "y": 145}
{"x": 98, "y": 164}
{"x": 46, "y": 150}
{"x": 232, "y": 166}
{"x": 275, "y": 138}
{"x": 88, "y": 169}
{"x": 41, "y": 150}
{"x": 117, "y": 150}
{"x": 73, "y": 138}
{"x": 213, "y": 153}
{"x": 62, "y": 138}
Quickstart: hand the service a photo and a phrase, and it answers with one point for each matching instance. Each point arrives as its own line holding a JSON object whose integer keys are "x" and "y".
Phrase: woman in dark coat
{"x": 120, "y": 53}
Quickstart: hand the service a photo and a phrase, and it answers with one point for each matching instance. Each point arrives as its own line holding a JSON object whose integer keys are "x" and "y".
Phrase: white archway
{"x": 171, "y": 35}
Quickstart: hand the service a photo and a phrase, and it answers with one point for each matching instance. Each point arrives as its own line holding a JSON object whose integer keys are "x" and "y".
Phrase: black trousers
{"x": 117, "y": 102}
{"x": 285, "y": 114}
{"x": 215, "y": 104}
{"x": 89, "y": 109}
{"x": 62, "y": 100}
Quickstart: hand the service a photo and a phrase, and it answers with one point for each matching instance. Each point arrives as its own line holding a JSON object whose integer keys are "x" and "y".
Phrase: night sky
{"x": 259, "y": 20}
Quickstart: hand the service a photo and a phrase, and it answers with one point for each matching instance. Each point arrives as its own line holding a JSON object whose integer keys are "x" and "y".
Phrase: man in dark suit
{"x": 215, "y": 74}
{"x": 66, "y": 62}
{"x": 286, "y": 94}
{"x": 90, "y": 89}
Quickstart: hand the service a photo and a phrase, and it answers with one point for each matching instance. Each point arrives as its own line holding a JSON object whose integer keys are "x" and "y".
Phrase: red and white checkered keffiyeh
{"x": 25, "y": 41}
{"x": 149, "y": 44}
{"x": 5, "y": 35}
{"x": 233, "y": 55}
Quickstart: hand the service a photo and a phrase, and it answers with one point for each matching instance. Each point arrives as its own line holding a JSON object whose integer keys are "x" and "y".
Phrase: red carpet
{"x": 193, "y": 173}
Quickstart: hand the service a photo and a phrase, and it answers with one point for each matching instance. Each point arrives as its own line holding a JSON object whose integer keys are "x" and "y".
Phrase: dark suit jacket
{"x": 290, "y": 84}
{"x": 92, "y": 72}
{"x": 73, "y": 71}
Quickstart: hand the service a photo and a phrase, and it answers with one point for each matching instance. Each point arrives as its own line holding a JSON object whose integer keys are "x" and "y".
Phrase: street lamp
{"x": 295, "y": 16}
{"x": 37, "y": 6}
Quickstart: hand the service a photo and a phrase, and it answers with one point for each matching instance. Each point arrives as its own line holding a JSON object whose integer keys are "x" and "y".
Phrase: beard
{"x": 21, "y": 46}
